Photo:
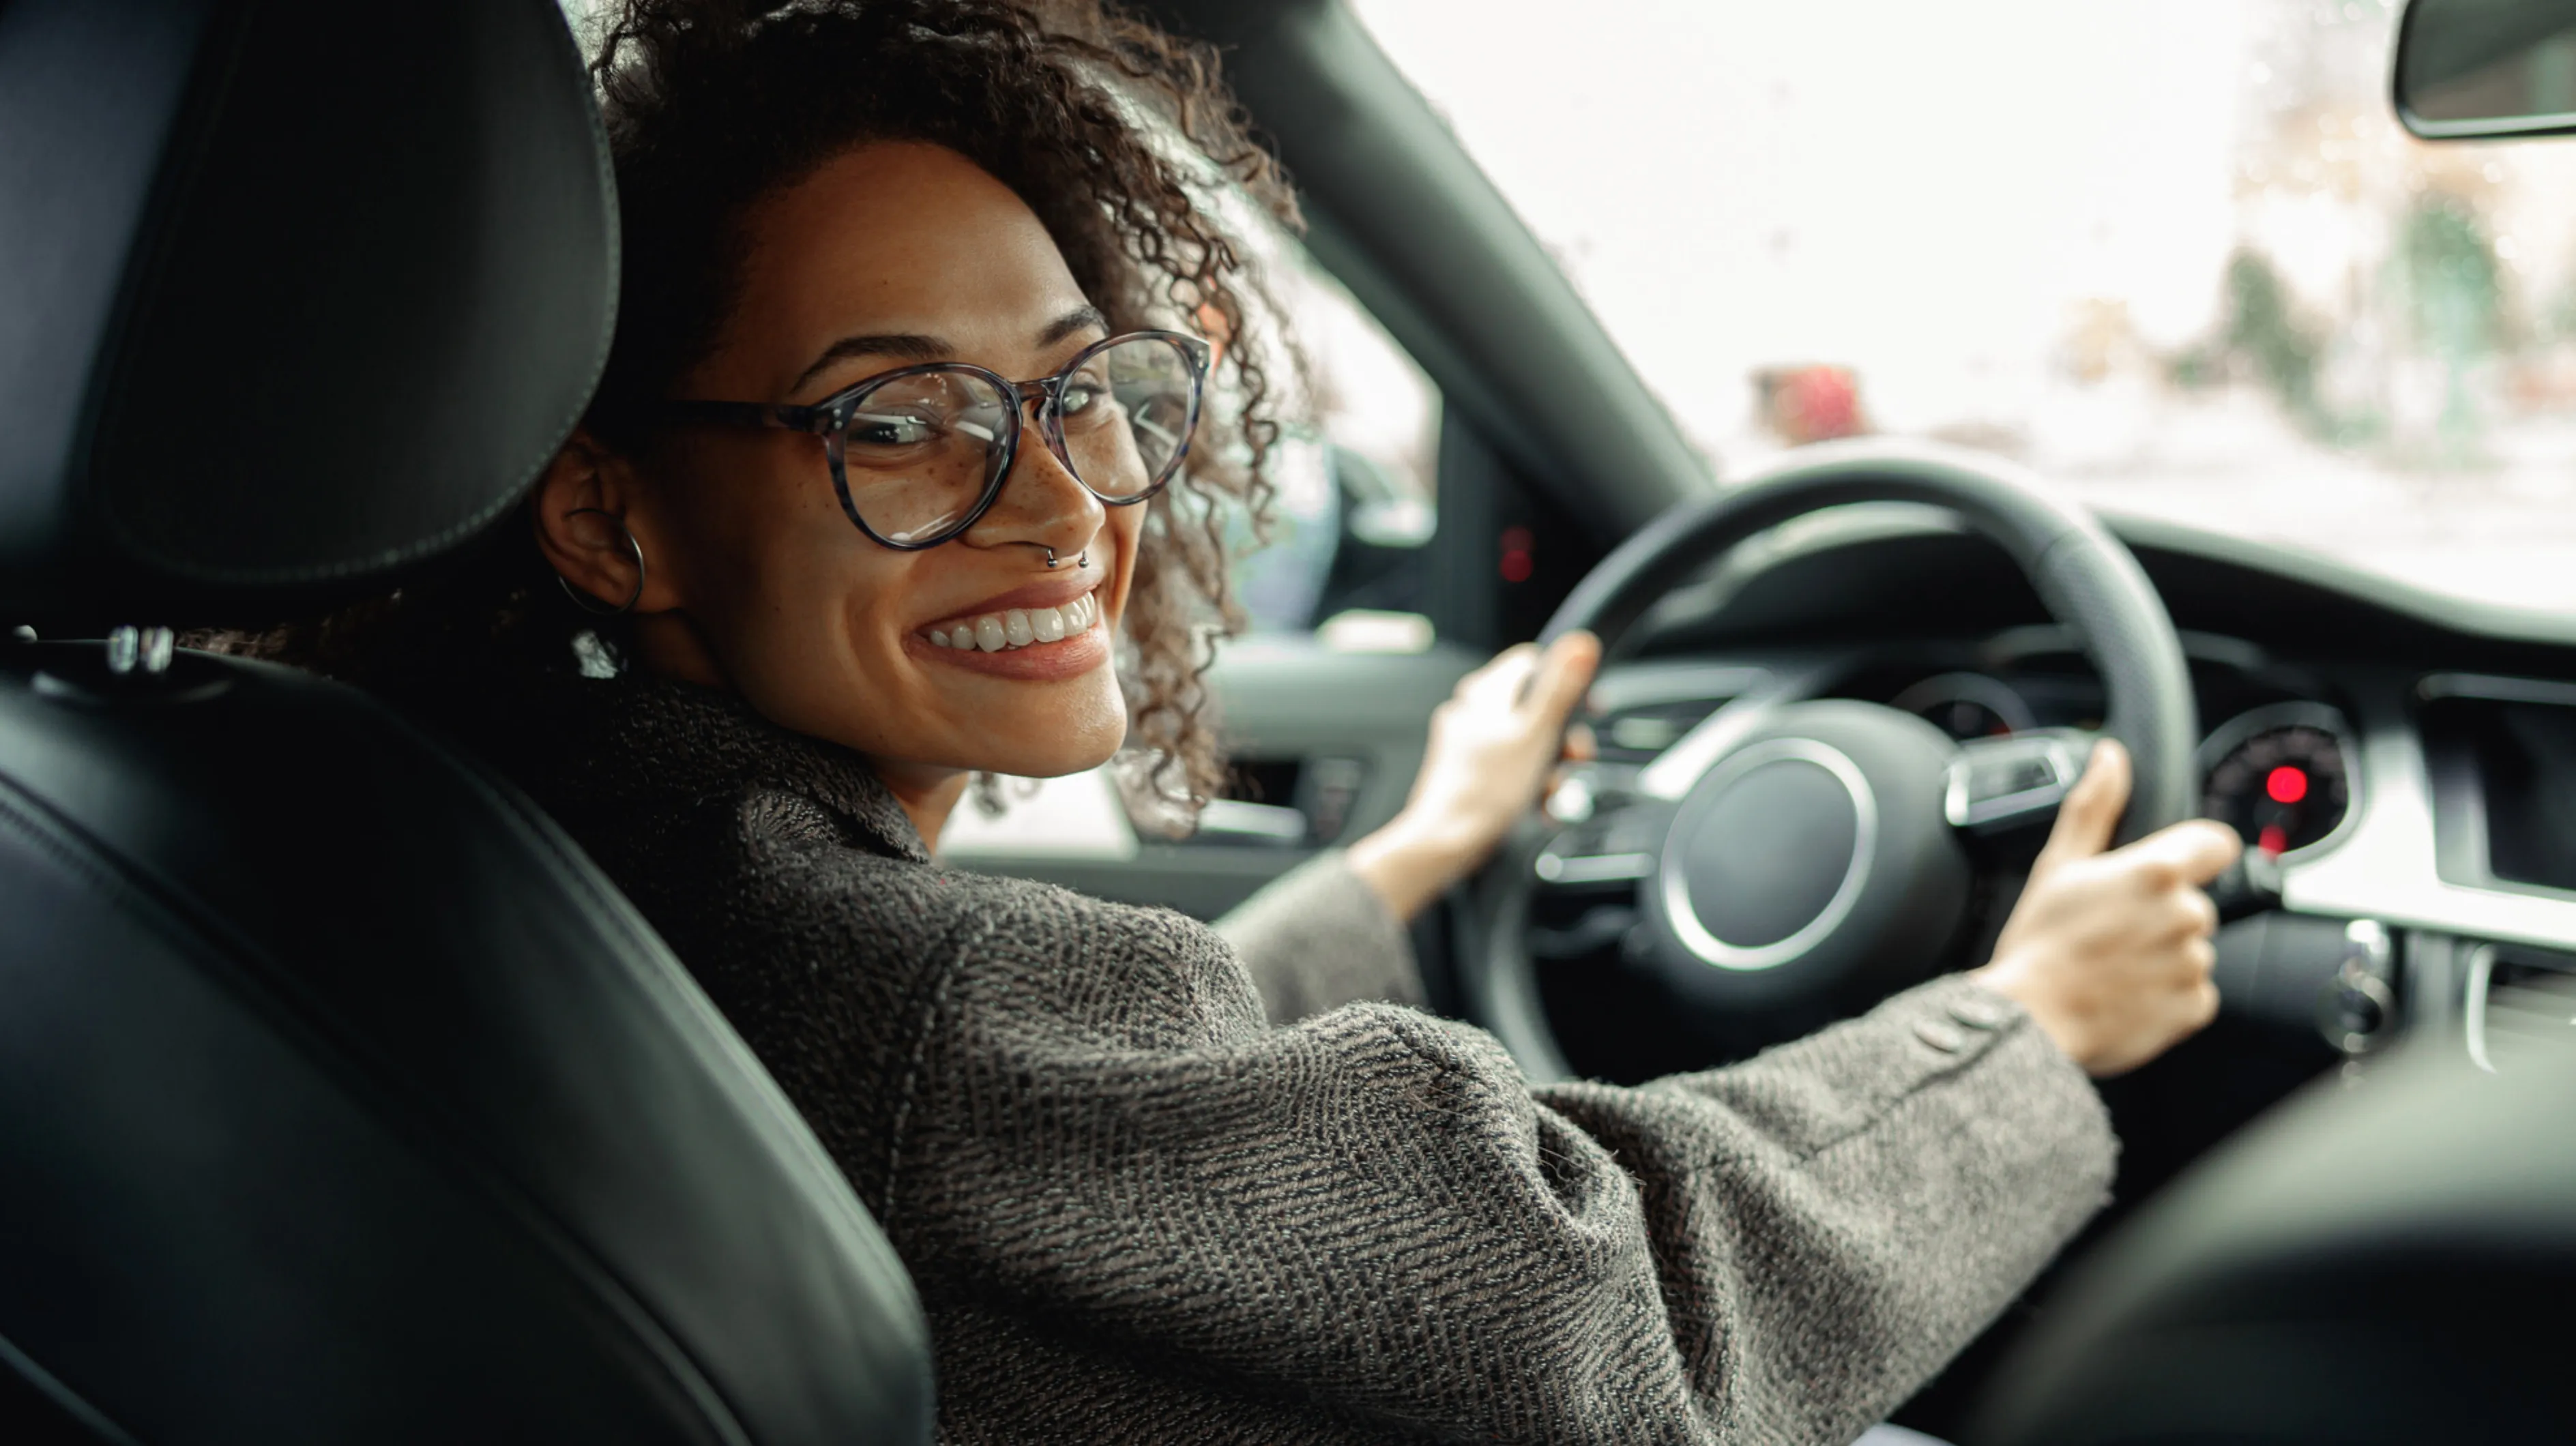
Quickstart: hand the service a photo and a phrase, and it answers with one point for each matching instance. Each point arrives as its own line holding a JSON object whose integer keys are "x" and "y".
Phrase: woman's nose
{"x": 1042, "y": 502}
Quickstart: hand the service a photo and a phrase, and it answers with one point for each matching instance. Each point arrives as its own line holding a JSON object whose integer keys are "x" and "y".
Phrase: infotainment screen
{"x": 2503, "y": 760}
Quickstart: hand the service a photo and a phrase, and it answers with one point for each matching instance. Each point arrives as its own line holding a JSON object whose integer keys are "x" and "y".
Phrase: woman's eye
{"x": 891, "y": 429}
{"x": 1087, "y": 396}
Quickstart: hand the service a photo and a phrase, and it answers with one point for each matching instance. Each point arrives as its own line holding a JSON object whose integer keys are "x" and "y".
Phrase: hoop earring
{"x": 585, "y": 601}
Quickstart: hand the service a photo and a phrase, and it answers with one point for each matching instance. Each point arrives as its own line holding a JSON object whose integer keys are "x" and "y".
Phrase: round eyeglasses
{"x": 919, "y": 454}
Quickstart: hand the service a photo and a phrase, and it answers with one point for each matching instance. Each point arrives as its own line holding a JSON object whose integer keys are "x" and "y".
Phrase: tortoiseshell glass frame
{"x": 830, "y": 420}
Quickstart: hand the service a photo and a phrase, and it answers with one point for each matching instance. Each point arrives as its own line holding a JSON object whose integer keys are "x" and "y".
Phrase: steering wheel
{"x": 1796, "y": 858}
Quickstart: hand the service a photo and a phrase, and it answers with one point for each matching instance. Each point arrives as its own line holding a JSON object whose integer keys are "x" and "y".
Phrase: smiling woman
{"x": 832, "y": 609}
{"x": 745, "y": 299}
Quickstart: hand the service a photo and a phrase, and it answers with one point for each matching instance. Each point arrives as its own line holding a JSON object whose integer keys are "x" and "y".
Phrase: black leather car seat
{"x": 340, "y": 1098}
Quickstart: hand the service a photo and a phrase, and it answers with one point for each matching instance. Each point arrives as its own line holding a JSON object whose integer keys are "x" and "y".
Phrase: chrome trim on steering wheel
{"x": 1967, "y": 805}
{"x": 1676, "y": 771}
{"x": 1676, "y": 889}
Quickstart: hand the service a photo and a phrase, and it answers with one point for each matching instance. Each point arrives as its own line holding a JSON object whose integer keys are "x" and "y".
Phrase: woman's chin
{"x": 1071, "y": 727}
{"x": 1053, "y": 757}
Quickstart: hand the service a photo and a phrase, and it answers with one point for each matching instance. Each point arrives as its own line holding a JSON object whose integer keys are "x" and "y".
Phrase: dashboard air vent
{"x": 2521, "y": 1002}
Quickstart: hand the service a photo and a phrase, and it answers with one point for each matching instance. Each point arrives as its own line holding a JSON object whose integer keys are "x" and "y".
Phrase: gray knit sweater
{"x": 1140, "y": 1211}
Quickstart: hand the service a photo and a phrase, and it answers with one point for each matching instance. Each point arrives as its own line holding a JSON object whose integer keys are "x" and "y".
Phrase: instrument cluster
{"x": 2281, "y": 774}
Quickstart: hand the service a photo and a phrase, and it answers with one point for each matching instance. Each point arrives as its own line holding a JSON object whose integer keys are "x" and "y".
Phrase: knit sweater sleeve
{"x": 1318, "y": 937}
{"x": 1371, "y": 1213}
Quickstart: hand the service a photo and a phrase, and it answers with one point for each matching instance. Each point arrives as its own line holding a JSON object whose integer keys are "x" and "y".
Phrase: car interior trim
{"x": 2480, "y": 967}
{"x": 2385, "y": 867}
{"x": 2496, "y": 689}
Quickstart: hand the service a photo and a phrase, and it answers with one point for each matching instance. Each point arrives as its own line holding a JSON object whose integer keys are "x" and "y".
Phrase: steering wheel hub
{"x": 1769, "y": 853}
{"x": 1809, "y": 870}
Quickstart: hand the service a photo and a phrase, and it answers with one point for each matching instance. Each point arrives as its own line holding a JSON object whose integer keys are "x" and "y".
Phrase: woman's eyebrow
{"x": 901, "y": 345}
{"x": 910, "y": 346}
{"x": 1081, "y": 318}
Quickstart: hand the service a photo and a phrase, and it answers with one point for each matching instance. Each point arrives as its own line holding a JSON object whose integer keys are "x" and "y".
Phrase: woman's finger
{"x": 2196, "y": 849}
{"x": 1503, "y": 677}
{"x": 1580, "y": 745}
{"x": 2091, "y": 812}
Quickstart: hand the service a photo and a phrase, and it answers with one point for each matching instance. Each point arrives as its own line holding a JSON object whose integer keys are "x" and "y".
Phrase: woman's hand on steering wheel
{"x": 2111, "y": 951}
{"x": 1494, "y": 749}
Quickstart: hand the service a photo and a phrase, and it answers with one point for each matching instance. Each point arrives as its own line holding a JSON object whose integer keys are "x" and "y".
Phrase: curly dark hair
{"x": 1115, "y": 133}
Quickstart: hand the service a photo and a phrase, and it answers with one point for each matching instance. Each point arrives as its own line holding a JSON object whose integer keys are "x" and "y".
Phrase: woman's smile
{"x": 1046, "y": 630}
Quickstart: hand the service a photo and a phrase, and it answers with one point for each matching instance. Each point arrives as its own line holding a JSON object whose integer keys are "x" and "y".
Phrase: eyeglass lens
{"x": 920, "y": 451}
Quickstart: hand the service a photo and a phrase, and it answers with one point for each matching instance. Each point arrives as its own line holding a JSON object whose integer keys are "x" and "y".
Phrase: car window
{"x": 1355, "y": 475}
{"x": 2177, "y": 255}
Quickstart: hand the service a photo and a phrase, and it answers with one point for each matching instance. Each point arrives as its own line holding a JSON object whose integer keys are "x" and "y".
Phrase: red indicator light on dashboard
{"x": 2286, "y": 784}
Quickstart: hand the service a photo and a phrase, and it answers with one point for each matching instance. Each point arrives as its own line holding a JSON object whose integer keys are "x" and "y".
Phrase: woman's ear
{"x": 584, "y": 511}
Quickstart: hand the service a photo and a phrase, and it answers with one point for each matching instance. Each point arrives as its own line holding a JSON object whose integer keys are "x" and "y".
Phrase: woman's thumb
{"x": 2091, "y": 813}
{"x": 1565, "y": 670}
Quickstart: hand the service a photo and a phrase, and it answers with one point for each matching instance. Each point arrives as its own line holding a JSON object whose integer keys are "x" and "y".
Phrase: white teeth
{"x": 1019, "y": 627}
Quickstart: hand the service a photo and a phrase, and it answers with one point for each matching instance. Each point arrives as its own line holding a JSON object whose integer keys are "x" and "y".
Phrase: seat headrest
{"x": 293, "y": 293}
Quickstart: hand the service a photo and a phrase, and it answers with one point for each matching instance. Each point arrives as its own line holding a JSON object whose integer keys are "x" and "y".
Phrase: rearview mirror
{"x": 2472, "y": 68}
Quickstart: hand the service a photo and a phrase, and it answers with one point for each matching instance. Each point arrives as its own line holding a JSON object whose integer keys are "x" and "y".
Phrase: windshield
{"x": 2175, "y": 254}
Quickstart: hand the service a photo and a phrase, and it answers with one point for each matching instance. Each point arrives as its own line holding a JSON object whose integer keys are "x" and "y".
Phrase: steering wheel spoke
{"x": 1614, "y": 849}
{"x": 1592, "y": 870}
{"x": 2002, "y": 786}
